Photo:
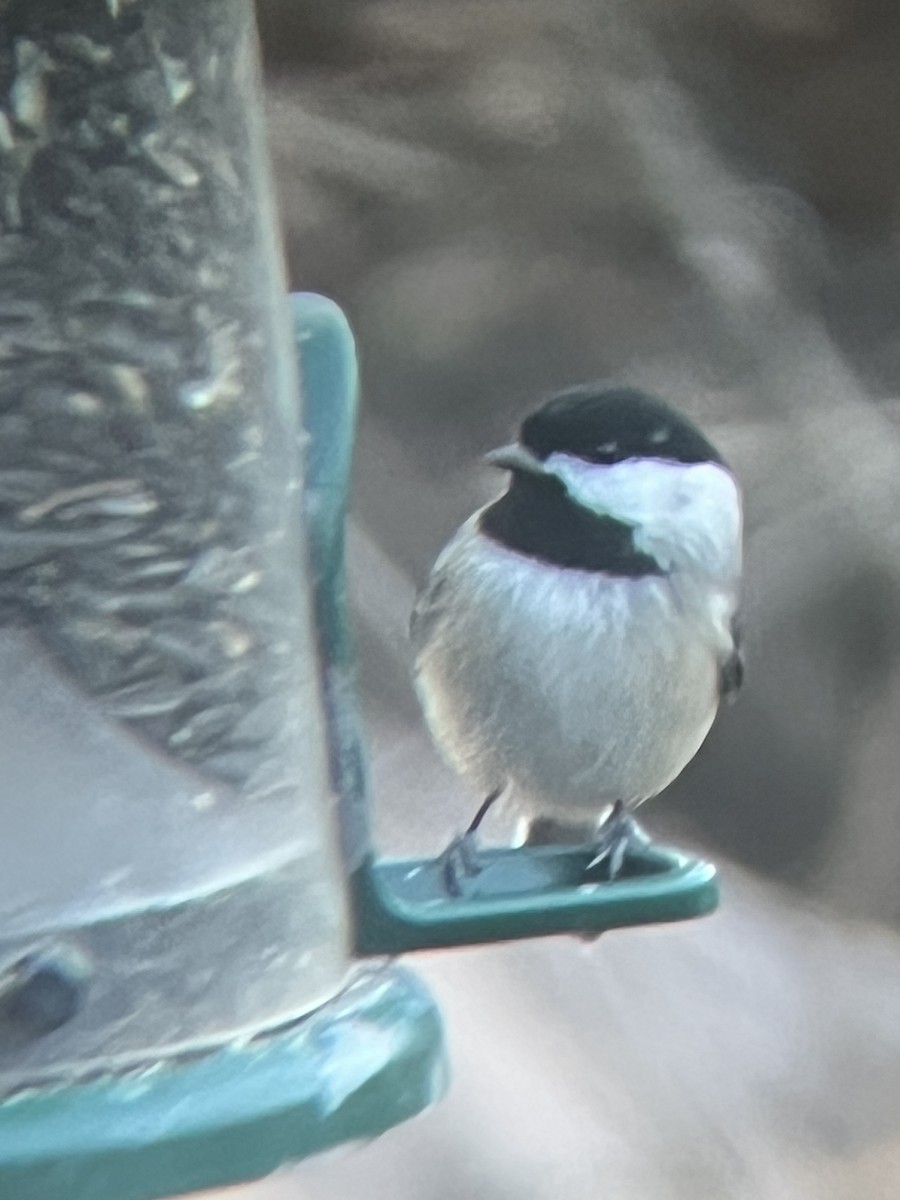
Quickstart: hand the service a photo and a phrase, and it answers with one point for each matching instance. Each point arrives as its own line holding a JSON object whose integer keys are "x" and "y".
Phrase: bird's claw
{"x": 460, "y": 864}
{"x": 619, "y": 834}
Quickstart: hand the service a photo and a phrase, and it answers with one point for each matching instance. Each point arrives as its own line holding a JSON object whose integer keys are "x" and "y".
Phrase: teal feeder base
{"x": 364, "y": 1062}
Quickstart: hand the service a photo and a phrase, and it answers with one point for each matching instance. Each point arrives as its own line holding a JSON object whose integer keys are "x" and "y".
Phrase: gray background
{"x": 509, "y": 196}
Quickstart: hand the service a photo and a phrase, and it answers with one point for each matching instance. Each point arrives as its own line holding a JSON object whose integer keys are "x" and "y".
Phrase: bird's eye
{"x": 658, "y": 436}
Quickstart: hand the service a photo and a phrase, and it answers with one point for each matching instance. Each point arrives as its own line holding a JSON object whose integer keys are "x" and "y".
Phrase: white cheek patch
{"x": 682, "y": 513}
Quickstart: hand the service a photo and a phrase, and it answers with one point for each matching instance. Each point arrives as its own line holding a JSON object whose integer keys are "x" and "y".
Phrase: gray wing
{"x": 437, "y": 600}
{"x": 731, "y": 668}
{"x": 427, "y": 610}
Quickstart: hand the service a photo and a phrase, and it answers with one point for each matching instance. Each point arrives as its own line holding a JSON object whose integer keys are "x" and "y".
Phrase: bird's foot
{"x": 619, "y": 834}
{"x": 460, "y": 864}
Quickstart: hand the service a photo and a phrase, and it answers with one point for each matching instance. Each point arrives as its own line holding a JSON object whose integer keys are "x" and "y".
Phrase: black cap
{"x": 610, "y": 424}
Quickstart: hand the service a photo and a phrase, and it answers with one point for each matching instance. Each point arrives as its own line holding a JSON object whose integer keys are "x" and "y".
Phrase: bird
{"x": 577, "y": 635}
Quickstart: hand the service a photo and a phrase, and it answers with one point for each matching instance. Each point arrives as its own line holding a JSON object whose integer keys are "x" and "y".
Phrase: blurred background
{"x": 701, "y": 197}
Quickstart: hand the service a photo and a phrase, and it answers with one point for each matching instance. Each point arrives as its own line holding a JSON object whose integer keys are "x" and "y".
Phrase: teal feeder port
{"x": 188, "y": 887}
{"x": 525, "y": 893}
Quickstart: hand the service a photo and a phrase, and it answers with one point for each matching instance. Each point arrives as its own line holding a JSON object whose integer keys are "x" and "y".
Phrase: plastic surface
{"x": 523, "y": 893}
{"x": 326, "y": 353}
{"x": 362, "y": 1063}
{"x": 166, "y": 796}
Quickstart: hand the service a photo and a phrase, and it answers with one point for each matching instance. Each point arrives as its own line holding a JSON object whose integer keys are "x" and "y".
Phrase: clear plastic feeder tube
{"x": 169, "y": 872}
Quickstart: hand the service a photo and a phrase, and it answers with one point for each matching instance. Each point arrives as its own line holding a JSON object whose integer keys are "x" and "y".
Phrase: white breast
{"x": 574, "y": 687}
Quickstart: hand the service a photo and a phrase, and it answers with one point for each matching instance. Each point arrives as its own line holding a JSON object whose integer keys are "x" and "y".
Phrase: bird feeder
{"x": 187, "y": 883}
{"x": 179, "y": 1007}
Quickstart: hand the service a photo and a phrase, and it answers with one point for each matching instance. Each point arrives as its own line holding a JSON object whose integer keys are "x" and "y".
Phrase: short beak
{"x": 515, "y": 457}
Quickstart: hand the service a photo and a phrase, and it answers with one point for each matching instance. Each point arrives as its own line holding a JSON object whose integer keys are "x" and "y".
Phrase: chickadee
{"x": 577, "y": 635}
